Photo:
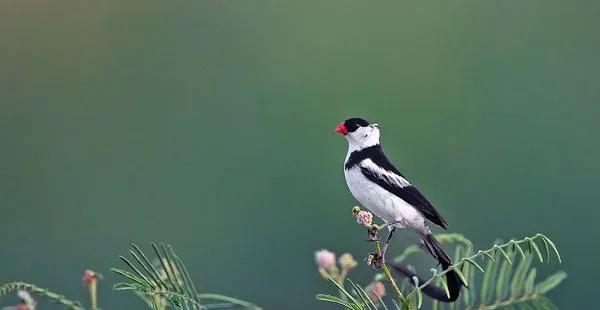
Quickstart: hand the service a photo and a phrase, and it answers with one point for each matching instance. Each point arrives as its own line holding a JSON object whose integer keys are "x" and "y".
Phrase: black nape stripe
{"x": 374, "y": 152}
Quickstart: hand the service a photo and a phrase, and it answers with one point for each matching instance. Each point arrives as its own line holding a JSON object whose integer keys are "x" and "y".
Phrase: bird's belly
{"x": 382, "y": 203}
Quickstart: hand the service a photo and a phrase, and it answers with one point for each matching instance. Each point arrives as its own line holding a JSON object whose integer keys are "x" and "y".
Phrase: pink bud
{"x": 364, "y": 218}
{"x": 325, "y": 259}
{"x": 89, "y": 276}
{"x": 377, "y": 288}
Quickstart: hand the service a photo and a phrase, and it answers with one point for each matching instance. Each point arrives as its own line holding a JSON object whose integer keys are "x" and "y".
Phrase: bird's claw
{"x": 375, "y": 260}
{"x": 372, "y": 232}
{"x": 372, "y": 239}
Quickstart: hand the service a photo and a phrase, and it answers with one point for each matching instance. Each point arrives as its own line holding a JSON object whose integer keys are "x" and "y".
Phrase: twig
{"x": 13, "y": 286}
{"x": 388, "y": 275}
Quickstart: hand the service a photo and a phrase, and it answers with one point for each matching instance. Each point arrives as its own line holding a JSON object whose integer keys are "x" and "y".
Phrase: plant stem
{"x": 93, "y": 294}
{"x": 387, "y": 273}
{"x": 341, "y": 283}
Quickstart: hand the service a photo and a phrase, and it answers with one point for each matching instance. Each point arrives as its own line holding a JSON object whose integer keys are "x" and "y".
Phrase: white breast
{"x": 382, "y": 203}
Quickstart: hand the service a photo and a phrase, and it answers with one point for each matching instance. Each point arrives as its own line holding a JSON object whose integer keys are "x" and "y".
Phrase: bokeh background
{"x": 209, "y": 125}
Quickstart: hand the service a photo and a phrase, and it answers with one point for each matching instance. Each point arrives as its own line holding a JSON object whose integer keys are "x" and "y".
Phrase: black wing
{"x": 393, "y": 181}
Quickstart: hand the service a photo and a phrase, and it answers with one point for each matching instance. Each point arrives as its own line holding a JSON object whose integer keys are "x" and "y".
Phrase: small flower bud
{"x": 376, "y": 289}
{"x": 325, "y": 259}
{"x": 364, "y": 218}
{"x": 347, "y": 261}
{"x": 355, "y": 210}
{"x": 89, "y": 276}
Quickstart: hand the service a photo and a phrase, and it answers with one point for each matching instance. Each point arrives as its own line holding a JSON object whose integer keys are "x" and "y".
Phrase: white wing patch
{"x": 388, "y": 176}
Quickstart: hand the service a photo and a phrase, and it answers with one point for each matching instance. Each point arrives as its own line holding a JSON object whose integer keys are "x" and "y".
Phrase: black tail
{"x": 453, "y": 281}
{"x": 436, "y": 250}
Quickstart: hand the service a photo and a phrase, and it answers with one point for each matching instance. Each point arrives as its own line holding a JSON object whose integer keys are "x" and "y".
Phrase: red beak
{"x": 341, "y": 129}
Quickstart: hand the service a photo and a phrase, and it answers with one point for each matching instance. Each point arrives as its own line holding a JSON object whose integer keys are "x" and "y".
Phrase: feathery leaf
{"x": 550, "y": 282}
{"x": 336, "y": 300}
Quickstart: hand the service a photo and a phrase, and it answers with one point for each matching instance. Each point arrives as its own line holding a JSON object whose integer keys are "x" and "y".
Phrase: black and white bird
{"x": 382, "y": 189}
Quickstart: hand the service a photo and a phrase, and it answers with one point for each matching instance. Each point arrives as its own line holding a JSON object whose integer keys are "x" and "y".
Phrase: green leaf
{"x": 154, "y": 283}
{"x": 470, "y": 292}
{"x": 336, "y": 300}
{"x": 472, "y": 262}
{"x": 470, "y": 275}
{"x": 444, "y": 286}
{"x": 188, "y": 283}
{"x": 518, "y": 247}
{"x": 530, "y": 281}
{"x": 169, "y": 269}
{"x": 129, "y": 276}
{"x": 504, "y": 276}
{"x": 139, "y": 274}
{"x": 550, "y": 283}
{"x": 363, "y": 295}
{"x": 419, "y": 297}
{"x": 487, "y": 254}
{"x": 229, "y": 299}
{"x": 546, "y": 249}
{"x": 354, "y": 301}
{"x": 168, "y": 281}
{"x": 472, "y": 295}
{"x": 461, "y": 276}
{"x": 505, "y": 255}
{"x": 488, "y": 283}
{"x": 155, "y": 274}
{"x": 517, "y": 283}
{"x": 381, "y": 301}
{"x": 537, "y": 250}
{"x": 553, "y": 246}
{"x": 122, "y": 286}
{"x": 458, "y": 253}
{"x": 435, "y": 305}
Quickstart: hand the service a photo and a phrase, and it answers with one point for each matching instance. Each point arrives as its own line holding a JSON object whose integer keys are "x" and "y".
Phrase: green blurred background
{"x": 209, "y": 125}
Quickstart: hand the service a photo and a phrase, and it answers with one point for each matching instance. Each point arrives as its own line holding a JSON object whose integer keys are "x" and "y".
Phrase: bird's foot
{"x": 375, "y": 260}
{"x": 384, "y": 225}
{"x": 372, "y": 232}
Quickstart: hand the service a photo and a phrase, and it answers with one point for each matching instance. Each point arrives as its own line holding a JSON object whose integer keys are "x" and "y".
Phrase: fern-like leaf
{"x": 508, "y": 274}
{"x": 336, "y": 300}
{"x": 167, "y": 282}
{"x": 550, "y": 283}
{"x": 509, "y": 281}
{"x": 17, "y": 286}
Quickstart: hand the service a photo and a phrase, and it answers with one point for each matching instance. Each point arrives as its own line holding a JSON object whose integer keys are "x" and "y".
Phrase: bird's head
{"x": 359, "y": 133}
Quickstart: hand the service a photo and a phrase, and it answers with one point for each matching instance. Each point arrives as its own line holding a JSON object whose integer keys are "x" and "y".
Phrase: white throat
{"x": 357, "y": 141}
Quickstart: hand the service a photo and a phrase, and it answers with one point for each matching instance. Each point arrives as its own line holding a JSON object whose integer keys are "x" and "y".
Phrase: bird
{"x": 380, "y": 187}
